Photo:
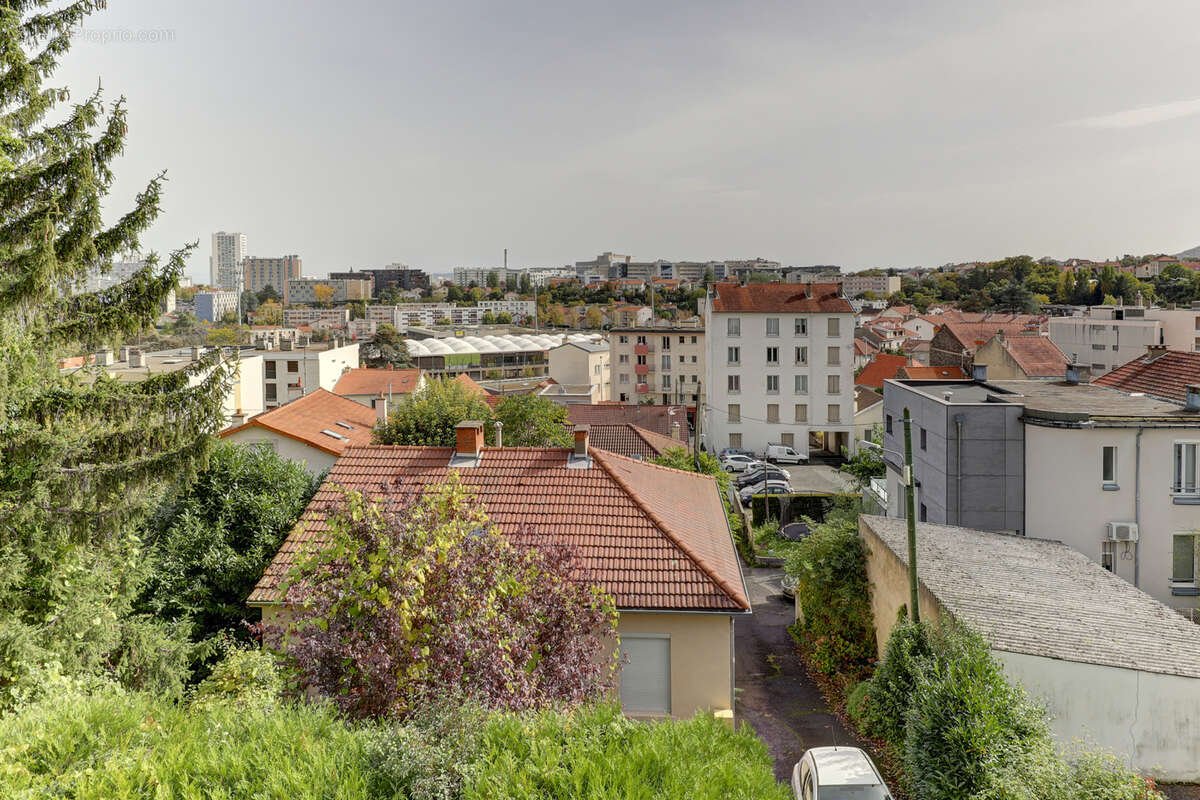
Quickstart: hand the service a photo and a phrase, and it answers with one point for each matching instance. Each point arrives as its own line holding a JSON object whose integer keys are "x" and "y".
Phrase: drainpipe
{"x": 958, "y": 434}
{"x": 1137, "y": 497}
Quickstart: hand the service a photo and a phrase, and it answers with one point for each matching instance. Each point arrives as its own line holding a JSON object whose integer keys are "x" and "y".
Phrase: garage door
{"x": 646, "y": 673}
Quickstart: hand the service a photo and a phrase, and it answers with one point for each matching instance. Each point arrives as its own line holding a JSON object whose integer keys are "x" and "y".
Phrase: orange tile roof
{"x": 923, "y": 373}
{"x": 470, "y": 385}
{"x": 657, "y": 419}
{"x": 655, "y": 538}
{"x": 375, "y": 382}
{"x": 306, "y": 418}
{"x": 781, "y": 298}
{"x": 632, "y": 440}
{"x": 1037, "y": 356}
{"x": 1165, "y": 375}
{"x": 882, "y": 367}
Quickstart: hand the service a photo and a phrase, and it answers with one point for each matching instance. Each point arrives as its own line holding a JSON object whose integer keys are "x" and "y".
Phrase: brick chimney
{"x": 469, "y": 434}
{"x": 381, "y": 408}
{"x": 581, "y": 440}
{"x": 1153, "y": 351}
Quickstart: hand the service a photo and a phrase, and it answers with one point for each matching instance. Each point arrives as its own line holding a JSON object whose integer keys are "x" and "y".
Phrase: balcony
{"x": 643, "y": 349}
{"x": 642, "y": 388}
{"x": 641, "y": 369}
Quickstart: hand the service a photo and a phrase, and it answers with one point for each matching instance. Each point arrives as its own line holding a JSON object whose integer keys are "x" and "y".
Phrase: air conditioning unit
{"x": 1122, "y": 532}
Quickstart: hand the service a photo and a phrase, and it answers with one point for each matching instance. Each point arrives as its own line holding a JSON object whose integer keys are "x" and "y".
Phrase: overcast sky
{"x": 437, "y": 133}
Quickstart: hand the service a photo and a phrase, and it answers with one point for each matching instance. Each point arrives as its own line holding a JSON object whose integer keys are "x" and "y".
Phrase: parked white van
{"x": 782, "y": 454}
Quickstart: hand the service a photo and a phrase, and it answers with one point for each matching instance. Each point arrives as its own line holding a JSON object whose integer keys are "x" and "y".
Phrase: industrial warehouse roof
{"x": 508, "y": 343}
{"x": 1042, "y": 598}
{"x": 655, "y": 538}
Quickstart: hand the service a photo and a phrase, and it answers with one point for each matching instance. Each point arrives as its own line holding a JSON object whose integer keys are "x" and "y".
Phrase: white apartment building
{"x": 854, "y": 284}
{"x": 298, "y": 368}
{"x": 780, "y": 364}
{"x": 316, "y": 317}
{"x": 424, "y": 315}
{"x": 659, "y": 364}
{"x": 304, "y": 291}
{"x": 1106, "y": 337}
{"x": 465, "y": 276}
{"x": 213, "y": 306}
{"x": 541, "y": 276}
{"x": 517, "y": 308}
{"x": 225, "y": 263}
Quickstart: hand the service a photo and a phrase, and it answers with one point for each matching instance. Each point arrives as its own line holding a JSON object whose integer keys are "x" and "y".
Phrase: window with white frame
{"x": 1108, "y": 465}
{"x": 773, "y": 355}
{"x": 772, "y": 326}
{"x": 1183, "y": 558}
{"x": 623, "y": 358}
{"x": 1185, "y": 479}
{"x": 734, "y": 355}
{"x": 801, "y": 326}
{"x": 1108, "y": 556}
{"x": 624, "y": 378}
{"x": 666, "y": 381}
{"x": 801, "y": 384}
{"x": 733, "y": 326}
{"x": 666, "y": 361}
{"x": 772, "y": 384}
{"x": 733, "y": 383}
{"x": 801, "y": 356}
{"x": 623, "y": 339}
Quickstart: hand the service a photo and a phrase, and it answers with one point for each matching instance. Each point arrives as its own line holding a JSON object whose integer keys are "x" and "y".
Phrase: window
{"x": 801, "y": 412}
{"x": 1108, "y": 465}
{"x": 269, "y": 370}
{"x": 596, "y": 369}
{"x": 735, "y": 355}
{"x": 681, "y": 340}
{"x": 1183, "y": 558}
{"x": 772, "y": 412}
{"x": 693, "y": 342}
{"x": 641, "y": 340}
{"x": 666, "y": 342}
{"x": 695, "y": 379}
{"x": 1185, "y": 467}
{"x": 772, "y": 326}
{"x": 835, "y": 412}
{"x": 646, "y": 672}
{"x": 787, "y": 439}
{"x": 801, "y": 384}
{"x": 735, "y": 441}
{"x": 802, "y": 356}
{"x": 623, "y": 358}
{"x": 293, "y": 366}
{"x": 833, "y": 327}
{"x": 924, "y": 514}
{"x": 773, "y": 355}
{"x": 271, "y": 395}
{"x": 734, "y": 383}
{"x": 733, "y": 326}
{"x": 666, "y": 382}
{"x": 693, "y": 359}
{"x": 623, "y": 339}
{"x": 833, "y": 384}
{"x": 1108, "y": 556}
{"x": 666, "y": 361}
{"x": 923, "y": 440}
{"x": 833, "y": 356}
{"x": 772, "y": 384}
{"x": 735, "y": 413}
{"x": 802, "y": 326}
{"x": 682, "y": 359}
{"x": 624, "y": 397}
{"x": 887, "y": 424}
{"x": 624, "y": 378}
{"x": 641, "y": 359}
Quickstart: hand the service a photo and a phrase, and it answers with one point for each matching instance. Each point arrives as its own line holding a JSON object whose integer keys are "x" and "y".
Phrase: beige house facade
{"x": 583, "y": 364}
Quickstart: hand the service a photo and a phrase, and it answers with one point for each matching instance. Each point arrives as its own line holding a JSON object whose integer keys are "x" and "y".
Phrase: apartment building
{"x": 603, "y": 267}
{"x": 465, "y": 276}
{"x": 780, "y": 364}
{"x": 213, "y": 306}
{"x": 316, "y": 317}
{"x": 1105, "y": 337}
{"x": 306, "y": 291}
{"x": 1109, "y": 470}
{"x": 581, "y": 363}
{"x": 660, "y": 364}
{"x": 854, "y": 284}
{"x": 299, "y": 367}
{"x": 399, "y": 276}
{"x": 517, "y": 308}
{"x": 424, "y": 315}
{"x": 225, "y": 263}
{"x": 274, "y": 272}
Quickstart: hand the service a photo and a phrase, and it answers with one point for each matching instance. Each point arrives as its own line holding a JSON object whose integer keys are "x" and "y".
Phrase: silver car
{"x": 837, "y": 773}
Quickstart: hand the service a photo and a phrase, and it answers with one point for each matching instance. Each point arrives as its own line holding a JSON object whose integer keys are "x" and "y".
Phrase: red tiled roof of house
{"x": 631, "y": 440}
{"x": 1037, "y": 356}
{"x": 657, "y": 419}
{"x": 1165, "y": 375}
{"x": 923, "y": 373}
{"x": 881, "y": 368}
{"x": 371, "y": 381}
{"x": 306, "y": 419}
{"x": 864, "y": 348}
{"x": 470, "y": 385}
{"x": 972, "y": 334}
{"x": 780, "y": 298}
{"x": 655, "y": 538}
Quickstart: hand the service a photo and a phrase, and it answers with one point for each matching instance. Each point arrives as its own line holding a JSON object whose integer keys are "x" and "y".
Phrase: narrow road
{"x": 775, "y": 695}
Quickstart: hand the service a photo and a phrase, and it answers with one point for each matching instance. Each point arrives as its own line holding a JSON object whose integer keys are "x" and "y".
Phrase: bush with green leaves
{"x": 432, "y": 755}
{"x": 883, "y": 709}
{"x": 1040, "y": 772}
{"x": 429, "y": 417}
{"x": 246, "y": 678}
{"x": 830, "y": 568}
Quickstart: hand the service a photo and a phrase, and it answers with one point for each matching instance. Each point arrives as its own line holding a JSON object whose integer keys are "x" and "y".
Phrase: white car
{"x": 739, "y": 463}
{"x": 782, "y": 454}
{"x": 837, "y": 773}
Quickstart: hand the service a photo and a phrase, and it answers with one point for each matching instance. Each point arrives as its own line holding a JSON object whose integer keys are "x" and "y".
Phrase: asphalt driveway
{"x": 775, "y": 695}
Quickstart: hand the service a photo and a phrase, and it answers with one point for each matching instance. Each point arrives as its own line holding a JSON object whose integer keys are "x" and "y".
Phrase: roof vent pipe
{"x": 499, "y": 431}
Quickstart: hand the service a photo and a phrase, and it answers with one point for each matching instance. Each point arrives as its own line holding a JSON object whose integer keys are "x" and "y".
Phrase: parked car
{"x": 782, "y": 454}
{"x": 739, "y": 463}
{"x": 756, "y": 474}
{"x": 837, "y": 773}
{"x": 764, "y": 487}
{"x": 733, "y": 451}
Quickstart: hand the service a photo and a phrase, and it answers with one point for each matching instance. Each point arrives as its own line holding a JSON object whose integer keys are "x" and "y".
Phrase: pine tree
{"x": 82, "y": 455}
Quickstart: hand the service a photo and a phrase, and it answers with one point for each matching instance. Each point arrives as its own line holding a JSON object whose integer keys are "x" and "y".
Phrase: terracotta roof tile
{"x": 881, "y": 368}
{"x": 924, "y": 373}
{"x": 656, "y": 538}
{"x": 631, "y": 440}
{"x": 306, "y": 418}
{"x": 864, "y": 348}
{"x": 781, "y": 298}
{"x": 653, "y": 418}
{"x": 370, "y": 381}
{"x": 1037, "y": 356}
{"x": 1164, "y": 375}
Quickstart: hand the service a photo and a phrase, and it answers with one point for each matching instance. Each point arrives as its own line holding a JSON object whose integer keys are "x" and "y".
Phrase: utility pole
{"x": 914, "y": 599}
{"x": 699, "y": 416}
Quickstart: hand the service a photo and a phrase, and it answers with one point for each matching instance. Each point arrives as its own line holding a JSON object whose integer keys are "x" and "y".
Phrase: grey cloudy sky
{"x": 857, "y": 133}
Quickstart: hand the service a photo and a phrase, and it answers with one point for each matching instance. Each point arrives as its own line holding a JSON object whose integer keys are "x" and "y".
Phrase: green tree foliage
{"x": 533, "y": 421}
{"x": 867, "y": 462}
{"x": 429, "y": 417}
{"x": 210, "y": 542}
{"x": 268, "y": 292}
{"x": 493, "y": 279}
{"x": 1014, "y": 298}
{"x": 504, "y": 318}
{"x": 82, "y": 456}
{"x": 250, "y": 301}
{"x": 488, "y": 318}
{"x": 526, "y": 287}
{"x": 386, "y": 349}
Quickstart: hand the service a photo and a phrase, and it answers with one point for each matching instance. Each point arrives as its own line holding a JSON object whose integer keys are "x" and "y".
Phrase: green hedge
{"x": 764, "y": 507}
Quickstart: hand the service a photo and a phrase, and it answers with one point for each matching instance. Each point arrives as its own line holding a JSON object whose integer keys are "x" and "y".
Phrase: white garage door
{"x": 646, "y": 673}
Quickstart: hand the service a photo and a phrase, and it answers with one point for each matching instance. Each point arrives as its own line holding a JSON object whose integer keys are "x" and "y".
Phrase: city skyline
{"x": 850, "y": 135}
